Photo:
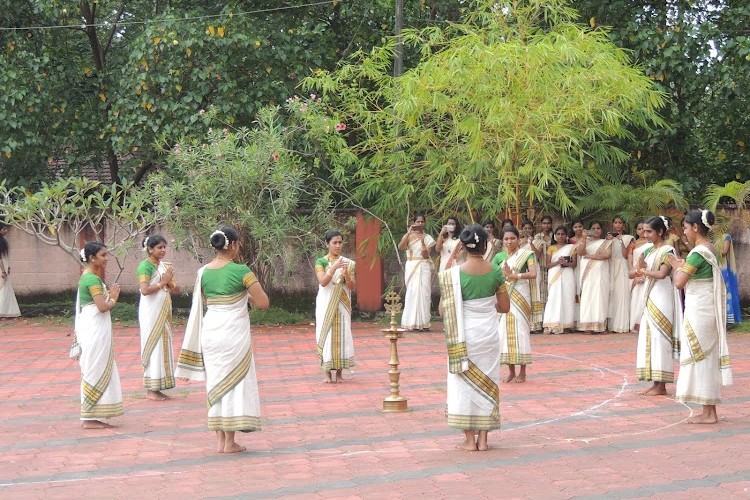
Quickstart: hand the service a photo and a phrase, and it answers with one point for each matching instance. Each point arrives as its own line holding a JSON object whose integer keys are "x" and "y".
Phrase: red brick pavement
{"x": 577, "y": 429}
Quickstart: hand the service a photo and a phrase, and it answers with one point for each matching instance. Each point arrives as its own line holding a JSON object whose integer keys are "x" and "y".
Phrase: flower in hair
{"x": 704, "y": 219}
{"x": 665, "y": 221}
{"x": 82, "y": 253}
{"x": 476, "y": 237}
{"x": 226, "y": 240}
{"x": 145, "y": 244}
{"x": 471, "y": 245}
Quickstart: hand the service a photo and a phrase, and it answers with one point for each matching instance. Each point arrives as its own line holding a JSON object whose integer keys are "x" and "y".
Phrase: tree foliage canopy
{"x": 250, "y": 179}
{"x": 94, "y": 83}
{"x": 698, "y": 53}
{"x": 516, "y": 106}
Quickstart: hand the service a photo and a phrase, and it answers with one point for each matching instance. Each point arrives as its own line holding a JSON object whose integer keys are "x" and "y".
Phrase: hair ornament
{"x": 226, "y": 240}
{"x": 665, "y": 221}
{"x": 145, "y": 243}
{"x": 704, "y": 219}
{"x": 82, "y": 253}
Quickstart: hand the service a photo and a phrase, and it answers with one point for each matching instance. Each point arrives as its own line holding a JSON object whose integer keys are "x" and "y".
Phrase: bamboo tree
{"x": 518, "y": 104}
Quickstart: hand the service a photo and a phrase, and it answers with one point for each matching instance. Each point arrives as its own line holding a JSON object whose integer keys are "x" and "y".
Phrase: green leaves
{"x": 59, "y": 212}
{"x": 251, "y": 179}
{"x": 503, "y": 112}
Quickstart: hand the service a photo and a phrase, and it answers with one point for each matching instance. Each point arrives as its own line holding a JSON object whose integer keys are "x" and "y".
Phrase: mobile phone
{"x": 615, "y": 235}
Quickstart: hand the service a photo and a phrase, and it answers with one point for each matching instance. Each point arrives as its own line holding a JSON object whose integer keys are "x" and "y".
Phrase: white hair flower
{"x": 665, "y": 221}
{"x": 145, "y": 244}
{"x": 704, "y": 219}
{"x": 82, "y": 253}
{"x": 217, "y": 232}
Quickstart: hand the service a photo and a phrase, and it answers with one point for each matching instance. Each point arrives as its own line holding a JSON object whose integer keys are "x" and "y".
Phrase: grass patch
{"x": 743, "y": 327}
{"x": 276, "y": 316}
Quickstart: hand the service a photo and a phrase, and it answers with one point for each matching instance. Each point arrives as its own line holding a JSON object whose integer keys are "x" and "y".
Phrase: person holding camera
{"x": 417, "y": 275}
{"x": 559, "y": 313}
{"x": 448, "y": 246}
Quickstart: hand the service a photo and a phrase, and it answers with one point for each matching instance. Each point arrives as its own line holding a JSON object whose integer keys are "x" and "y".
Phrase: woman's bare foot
{"x": 339, "y": 377}
{"x": 234, "y": 448}
{"x": 221, "y": 437}
{"x": 708, "y": 416}
{"x": 703, "y": 419}
{"x": 658, "y": 391}
{"x": 509, "y": 378}
{"x": 328, "y": 379}
{"x": 469, "y": 444}
{"x": 156, "y": 395}
{"x": 482, "y": 441}
{"x": 95, "y": 424}
{"x": 521, "y": 378}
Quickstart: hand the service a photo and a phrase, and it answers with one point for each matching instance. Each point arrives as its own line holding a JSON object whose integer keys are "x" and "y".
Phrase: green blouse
{"x": 697, "y": 267}
{"x": 321, "y": 264}
{"x": 145, "y": 270}
{"x": 480, "y": 286}
{"x": 229, "y": 280}
{"x": 89, "y": 286}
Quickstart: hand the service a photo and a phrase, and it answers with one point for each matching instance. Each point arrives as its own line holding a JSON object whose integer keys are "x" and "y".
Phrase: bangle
{"x": 113, "y": 301}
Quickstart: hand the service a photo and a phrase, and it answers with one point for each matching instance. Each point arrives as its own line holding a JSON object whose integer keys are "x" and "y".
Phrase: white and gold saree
{"x": 333, "y": 323}
{"x": 471, "y": 333}
{"x": 637, "y": 302}
{"x": 155, "y": 320}
{"x": 618, "y": 317}
{"x": 658, "y": 331}
{"x": 515, "y": 325}
{"x": 418, "y": 282}
{"x": 594, "y": 287}
{"x": 217, "y": 348}
{"x": 559, "y": 312}
{"x": 8, "y": 303}
{"x": 704, "y": 352}
{"x": 101, "y": 393}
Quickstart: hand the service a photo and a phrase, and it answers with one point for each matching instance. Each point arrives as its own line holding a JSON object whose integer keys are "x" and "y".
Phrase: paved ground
{"x": 577, "y": 429}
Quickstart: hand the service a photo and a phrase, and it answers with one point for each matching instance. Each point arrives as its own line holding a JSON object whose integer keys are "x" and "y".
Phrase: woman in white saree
{"x": 515, "y": 325}
{"x": 618, "y": 318}
{"x": 559, "y": 312}
{"x": 704, "y": 352}
{"x": 417, "y": 276}
{"x": 8, "y": 303}
{"x": 538, "y": 246}
{"x": 448, "y": 246}
{"x": 333, "y": 309}
{"x": 471, "y": 296}
{"x": 217, "y": 347}
{"x": 636, "y": 282}
{"x": 101, "y": 393}
{"x": 593, "y": 255}
{"x": 657, "y": 334}
{"x": 155, "y": 279}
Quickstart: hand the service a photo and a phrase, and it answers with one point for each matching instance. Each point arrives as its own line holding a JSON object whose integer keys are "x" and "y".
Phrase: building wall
{"x": 41, "y": 268}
